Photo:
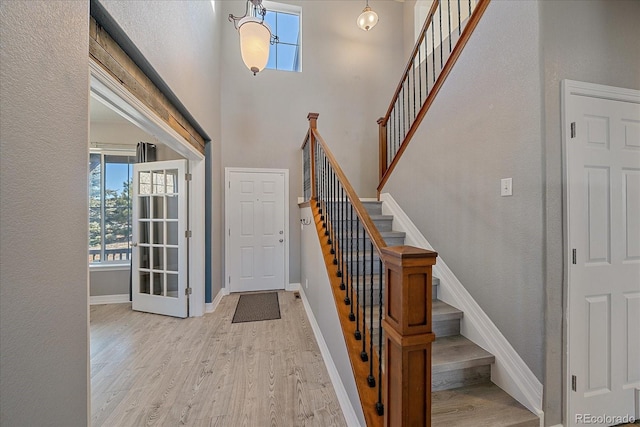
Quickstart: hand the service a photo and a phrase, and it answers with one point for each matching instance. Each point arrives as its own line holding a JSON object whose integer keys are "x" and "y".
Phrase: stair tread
{"x": 480, "y": 405}
{"x": 374, "y": 217}
{"x": 443, "y": 311}
{"x": 457, "y": 352}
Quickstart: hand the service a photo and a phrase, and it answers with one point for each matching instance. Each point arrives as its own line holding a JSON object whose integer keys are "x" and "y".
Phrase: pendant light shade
{"x": 367, "y": 19}
{"x": 255, "y": 40}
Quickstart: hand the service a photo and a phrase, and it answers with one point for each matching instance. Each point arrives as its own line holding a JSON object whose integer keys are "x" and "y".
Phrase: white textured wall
{"x": 486, "y": 125}
{"x": 591, "y": 41}
{"x": 181, "y": 40}
{"x": 348, "y": 78}
{"x": 44, "y": 96}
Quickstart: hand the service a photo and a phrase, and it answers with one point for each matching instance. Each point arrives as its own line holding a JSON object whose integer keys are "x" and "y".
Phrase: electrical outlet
{"x": 506, "y": 187}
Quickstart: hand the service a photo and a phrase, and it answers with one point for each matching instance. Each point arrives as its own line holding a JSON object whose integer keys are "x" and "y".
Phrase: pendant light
{"x": 255, "y": 36}
{"x": 368, "y": 18}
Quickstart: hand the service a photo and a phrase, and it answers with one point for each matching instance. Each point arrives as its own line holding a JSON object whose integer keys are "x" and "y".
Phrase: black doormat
{"x": 256, "y": 307}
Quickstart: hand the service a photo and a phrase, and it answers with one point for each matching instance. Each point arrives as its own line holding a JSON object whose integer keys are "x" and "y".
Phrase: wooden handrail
{"x": 477, "y": 13}
{"x": 367, "y": 223}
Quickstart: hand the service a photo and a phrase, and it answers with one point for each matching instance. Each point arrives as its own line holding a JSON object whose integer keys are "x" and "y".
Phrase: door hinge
{"x": 573, "y": 129}
{"x": 574, "y": 257}
{"x": 229, "y": 232}
{"x": 188, "y": 291}
{"x": 188, "y": 177}
{"x": 187, "y": 234}
{"x": 229, "y": 279}
{"x": 574, "y": 383}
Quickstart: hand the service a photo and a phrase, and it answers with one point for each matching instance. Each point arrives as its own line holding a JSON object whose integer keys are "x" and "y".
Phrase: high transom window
{"x": 285, "y": 22}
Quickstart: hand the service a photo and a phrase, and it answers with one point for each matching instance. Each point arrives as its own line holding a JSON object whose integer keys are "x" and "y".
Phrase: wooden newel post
{"x": 382, "y": 138}
{"x": 313, "y": 125}
{"x": 408, "y": 336}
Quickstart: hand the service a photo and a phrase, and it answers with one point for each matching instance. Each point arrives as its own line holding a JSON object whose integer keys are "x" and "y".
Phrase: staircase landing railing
{"x": 446, "y": 30}
{"x": 383, "y": 294}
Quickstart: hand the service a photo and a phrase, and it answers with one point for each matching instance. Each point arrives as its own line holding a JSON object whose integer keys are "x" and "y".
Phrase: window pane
{"x": 288, "y": 26}
{"x": 95, "y": 207}
{"x": 286, "y": 57}
{"x": 270, "y": 19}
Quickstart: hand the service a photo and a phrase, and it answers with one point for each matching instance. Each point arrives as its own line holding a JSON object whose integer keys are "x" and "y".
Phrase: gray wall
{"x": 44, "y": 95}
{"x": 181, "y": 40}
{"x": 486, "y": 125}
{"x": 591, "y": 41}
{"x": 348, "y": 76}
{"x": 316, "y": 287}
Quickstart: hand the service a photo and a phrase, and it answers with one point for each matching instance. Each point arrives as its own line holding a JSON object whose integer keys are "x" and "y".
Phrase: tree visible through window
{"x": 284, "y": 21}
{"x": 110, "y": 198}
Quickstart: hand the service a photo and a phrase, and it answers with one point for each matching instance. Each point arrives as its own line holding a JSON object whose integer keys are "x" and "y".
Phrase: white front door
{"x": 159, "y": 255}
{"x": 256, "y": 230}
{"x": 603, "y": 216}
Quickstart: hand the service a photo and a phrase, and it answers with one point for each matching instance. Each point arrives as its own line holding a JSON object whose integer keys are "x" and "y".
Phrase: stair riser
{"x": 373, "y": 208}
{"x": 365, "y": 243}
{"x": 381, "y": 224}
{"x": 446, "y": 328}
{"x": 460, "y": 378}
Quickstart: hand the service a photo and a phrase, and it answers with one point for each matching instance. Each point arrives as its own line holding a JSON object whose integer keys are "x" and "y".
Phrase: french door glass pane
{"x": 145, "y": 282}
{"x": 95, "y": 207}
{"x": 172, "y": 285}
{"x": 172, "y": 207}
{"x": 158, "y": 207}
{"x": 144, "y": 232}
{"x": 158, "y": 283}
{"x": 172, "y": 233}
{"x": 158, "y": 233}
{"x": 145, "y": 260}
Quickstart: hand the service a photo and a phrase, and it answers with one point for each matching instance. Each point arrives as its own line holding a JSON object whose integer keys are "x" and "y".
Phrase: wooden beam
{"x": 108, "y": 54}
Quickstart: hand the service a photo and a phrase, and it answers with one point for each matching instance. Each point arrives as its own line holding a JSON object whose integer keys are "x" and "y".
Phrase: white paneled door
{"x": 603, "y": 217}
{"x": 256, "y": 230}
{"x": 159, "y": 255}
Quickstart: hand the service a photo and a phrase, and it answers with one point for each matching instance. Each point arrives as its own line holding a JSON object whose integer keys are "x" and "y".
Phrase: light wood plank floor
{"x": 150, "y": 370}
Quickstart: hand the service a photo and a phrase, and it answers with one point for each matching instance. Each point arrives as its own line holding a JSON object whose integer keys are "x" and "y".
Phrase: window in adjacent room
{"x": 285, "y": 22}
{"x": 110, "y": 198}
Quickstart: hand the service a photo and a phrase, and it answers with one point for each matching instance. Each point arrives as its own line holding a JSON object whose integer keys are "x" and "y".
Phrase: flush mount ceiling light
{"x": 255, "y": 36}
{"x": 368, "y": 18}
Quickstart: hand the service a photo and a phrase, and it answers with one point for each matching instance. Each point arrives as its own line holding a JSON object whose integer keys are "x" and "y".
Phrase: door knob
{"x": 134, "y": 244}
{"x": 281, "y": 240}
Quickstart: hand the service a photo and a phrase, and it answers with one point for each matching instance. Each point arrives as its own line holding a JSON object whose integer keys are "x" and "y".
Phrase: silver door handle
{"x": 134, "y": 244}
{"x": 281, "y": 240}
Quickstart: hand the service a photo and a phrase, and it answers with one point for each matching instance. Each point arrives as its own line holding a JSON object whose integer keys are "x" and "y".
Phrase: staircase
{"x": 463, "y": 394}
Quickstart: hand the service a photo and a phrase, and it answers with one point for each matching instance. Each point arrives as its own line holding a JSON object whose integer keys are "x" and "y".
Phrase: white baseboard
{"x": 345, "y": 404}
{"x": 509, "y": 371}
{"x": 109, "y": 299}
{"x": 211, "y": 306}
{"x": 291, "y": 287}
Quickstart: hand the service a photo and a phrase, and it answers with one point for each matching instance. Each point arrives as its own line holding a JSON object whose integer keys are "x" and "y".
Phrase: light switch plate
{"x": 506, "y": 187}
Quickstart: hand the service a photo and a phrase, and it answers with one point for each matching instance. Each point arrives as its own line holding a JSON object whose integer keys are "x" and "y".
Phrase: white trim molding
{"x": 343, "y": 398}
{"x": 109, "y": 299}
{"x": 292, "y": 287}
{"x": 509, "y": 372}
{"x": 211, "y": 306}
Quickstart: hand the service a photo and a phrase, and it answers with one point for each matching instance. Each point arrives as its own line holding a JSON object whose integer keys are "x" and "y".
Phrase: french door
{"x": 159, "y": 248}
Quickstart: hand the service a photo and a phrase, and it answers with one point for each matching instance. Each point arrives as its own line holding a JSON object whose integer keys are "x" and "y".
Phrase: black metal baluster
{"x": 371, "y": 379}
{"x": 433, "y": 49}
{"x": 414, "y": 87}
{"x": 379, "y": 405}
{"x": 363, "y": 354}
{"x": 469, "y": 8}
{"x": 420, "y": 71}
{"x": 327, "y": 206}
{"x": 404, "y": 113}
{"x": 349, "y": 263}
{"x": 449, "y": 32}
{"x": 440, "y": 21}
{"x": 341, "y": 243}
{"x": 459, "y": 20}
{"x": 334, "y": 220}
{"x": 357, "y": 334}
